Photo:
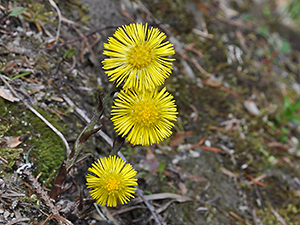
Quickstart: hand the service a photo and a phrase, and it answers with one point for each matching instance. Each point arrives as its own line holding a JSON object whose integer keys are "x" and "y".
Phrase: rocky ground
{"x": 234, "y": 154}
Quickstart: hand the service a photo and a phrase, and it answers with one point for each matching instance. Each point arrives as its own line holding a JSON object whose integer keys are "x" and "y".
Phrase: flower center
{"x": 145, "y": 113}
{"x": 140, "y": 55}
{"x": 112, "y": 184}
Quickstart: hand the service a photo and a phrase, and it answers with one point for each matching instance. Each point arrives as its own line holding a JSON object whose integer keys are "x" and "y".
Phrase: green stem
{"x": 118, "y": 143}
{"x": 27, "y": 155}
{"x": 89, "y": 129}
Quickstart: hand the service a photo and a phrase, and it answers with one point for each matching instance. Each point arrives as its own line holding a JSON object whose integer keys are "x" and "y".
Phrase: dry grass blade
{"x": 200, "y": 68}
{"x": 3, "y": 159}
{"x": 228, "y": 173}
{"x": 16, "y": 221}
{"x": 279, "y": 218}
{"x": 160, "y": 196}
{"x": 236, "y": 216}
{"x": 203, "y": 34}
{"x": 59, "y": 19}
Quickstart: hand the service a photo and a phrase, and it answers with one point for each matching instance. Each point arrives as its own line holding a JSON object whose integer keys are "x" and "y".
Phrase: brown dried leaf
{"x": 50, "y": 42}
{"x": 182, "y": 187}
{"x": 6, "y": 94}
{"x": 179, "y": 137}
{"x": 12, "y": 142}
{"x": 151, "y": 160}
{"x": 9, "y": 66}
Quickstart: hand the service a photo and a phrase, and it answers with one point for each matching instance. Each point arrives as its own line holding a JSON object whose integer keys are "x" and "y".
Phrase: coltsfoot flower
{"x": 138, "y": 57}
{"x": 111, "y": 181}
{"x": 144, "y": 117}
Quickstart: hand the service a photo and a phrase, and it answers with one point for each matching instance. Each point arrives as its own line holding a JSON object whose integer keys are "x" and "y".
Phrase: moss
{"x": 11, "y": 155}
{"x": 49, "y": 151}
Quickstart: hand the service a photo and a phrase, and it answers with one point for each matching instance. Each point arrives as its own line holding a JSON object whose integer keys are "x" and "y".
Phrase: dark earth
{"x": 234, "y": 155}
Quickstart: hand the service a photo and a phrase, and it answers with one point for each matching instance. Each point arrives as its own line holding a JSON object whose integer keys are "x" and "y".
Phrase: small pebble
{"x": 207, "y": 143}
{"x": 244, "y": 166}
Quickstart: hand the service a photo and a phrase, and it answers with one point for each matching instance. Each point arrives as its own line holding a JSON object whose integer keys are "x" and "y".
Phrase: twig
{"x": 229, "y": 91}
{"x": 38, "y": 115}
{"x": 59, "y": 19}
{"x": 99, "y": 212}
{"x": 46, "y": 220}
{"x": 14, "y": 221}
{"x": 191, "y": 48}
{"x": 203, "y": 34}
{"x": 200, "y": 68}
{"x": 199, "y": 143}
{"x": 254, "y": 216}
{"x": 279, "y": 218}
{"x": 195, "y": 118}
{"x": 233, "y": 214}
{"x": 150, "y": 207}
{"x": 256, "y": 180}
{"x": 212, "y": 149}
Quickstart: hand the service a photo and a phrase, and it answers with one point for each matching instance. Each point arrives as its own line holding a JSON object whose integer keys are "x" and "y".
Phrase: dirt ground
{"x": 234, "y": 155}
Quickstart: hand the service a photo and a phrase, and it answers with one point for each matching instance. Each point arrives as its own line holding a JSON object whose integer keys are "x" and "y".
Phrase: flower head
{"x": 111, "y": 180}
{"x": 138, "y": 57}
{"x": 145, "y": 117}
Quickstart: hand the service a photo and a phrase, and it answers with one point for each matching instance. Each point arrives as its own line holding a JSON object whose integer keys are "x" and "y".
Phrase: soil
{"x": 234, "y": 154}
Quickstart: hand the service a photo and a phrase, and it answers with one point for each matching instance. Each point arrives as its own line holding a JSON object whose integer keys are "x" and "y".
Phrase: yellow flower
{"x": 138, "y": 57}
{"x": 145, "y": 117}
{"x": 111, "y": 181}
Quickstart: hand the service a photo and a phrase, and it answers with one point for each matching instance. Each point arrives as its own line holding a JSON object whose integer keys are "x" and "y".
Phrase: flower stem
{"x": 89, "y": 129}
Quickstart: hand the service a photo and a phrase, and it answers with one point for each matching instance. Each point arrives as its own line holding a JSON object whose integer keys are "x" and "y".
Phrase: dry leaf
{"x": 6, "y": 94}
{"x": 9, "y": 66}
{"x": 179, "y": 137}
{"x": 50, "y": 42}
{"x": 12, "y": 142}
{"x": 182, "y": 187}
{"x": 151, "y": 160}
